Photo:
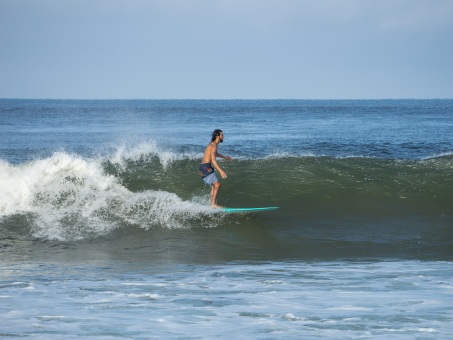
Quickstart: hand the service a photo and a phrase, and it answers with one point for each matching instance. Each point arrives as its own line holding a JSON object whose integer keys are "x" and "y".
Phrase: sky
{"x": 226, "y": 49}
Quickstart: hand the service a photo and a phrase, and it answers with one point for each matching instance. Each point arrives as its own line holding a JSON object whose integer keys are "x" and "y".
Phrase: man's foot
{"x": 215, "y": 206}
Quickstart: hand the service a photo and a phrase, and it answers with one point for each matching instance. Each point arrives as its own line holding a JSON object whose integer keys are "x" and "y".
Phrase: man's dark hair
{"x": 215, "y": 134}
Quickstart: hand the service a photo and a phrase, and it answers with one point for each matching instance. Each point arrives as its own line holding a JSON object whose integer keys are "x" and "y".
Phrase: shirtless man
{"x": 208, "y": 162}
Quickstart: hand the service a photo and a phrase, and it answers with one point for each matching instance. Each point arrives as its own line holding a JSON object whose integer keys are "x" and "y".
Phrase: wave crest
{"x": 146, "y": 151}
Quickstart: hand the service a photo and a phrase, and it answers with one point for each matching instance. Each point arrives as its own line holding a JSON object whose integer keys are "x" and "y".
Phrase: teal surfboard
{"x": 232, "y": 210}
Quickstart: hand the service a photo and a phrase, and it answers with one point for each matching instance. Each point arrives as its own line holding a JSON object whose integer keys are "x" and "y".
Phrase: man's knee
{"x": 216, "y": 185}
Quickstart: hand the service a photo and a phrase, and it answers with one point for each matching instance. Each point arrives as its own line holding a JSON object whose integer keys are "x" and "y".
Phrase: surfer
{"x": 208, "y": 163}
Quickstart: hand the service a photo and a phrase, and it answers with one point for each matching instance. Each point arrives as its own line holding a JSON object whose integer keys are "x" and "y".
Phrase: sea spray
{"x": 146, "y": 152}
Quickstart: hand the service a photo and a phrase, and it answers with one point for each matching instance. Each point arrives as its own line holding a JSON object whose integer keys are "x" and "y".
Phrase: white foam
{"x": 49, "y": 317}
{"x": 69, "y": 197}
{"x": 144, "y": 296}
{"x": 350, "y": 308}
{"x": 440, "y": 155}
{"x": 146, "y": 151}
{"x": 282, "y": 154}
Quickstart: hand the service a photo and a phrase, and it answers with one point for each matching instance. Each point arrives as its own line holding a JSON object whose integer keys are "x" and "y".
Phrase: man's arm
{"x": 214, "y": 154}
{"x": 228, "y": 158}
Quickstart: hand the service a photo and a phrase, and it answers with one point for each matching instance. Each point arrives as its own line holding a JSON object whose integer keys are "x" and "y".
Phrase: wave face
{"x": 346, "y": 205}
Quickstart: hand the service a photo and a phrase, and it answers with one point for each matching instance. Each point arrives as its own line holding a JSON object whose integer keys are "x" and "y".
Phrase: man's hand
{"x": 223, "y": 174}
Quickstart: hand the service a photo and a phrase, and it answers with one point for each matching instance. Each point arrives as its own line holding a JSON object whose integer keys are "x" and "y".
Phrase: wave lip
{"x": 146, "y": 152}
{"x": 446, "y": 155}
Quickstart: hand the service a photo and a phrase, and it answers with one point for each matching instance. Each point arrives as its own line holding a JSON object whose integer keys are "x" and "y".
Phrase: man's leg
{"x": 215, "y": 187}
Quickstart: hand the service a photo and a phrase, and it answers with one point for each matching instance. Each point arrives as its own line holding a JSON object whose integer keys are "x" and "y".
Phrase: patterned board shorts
{"x": 208, "y": 174}
{"x": 210, "y": 179}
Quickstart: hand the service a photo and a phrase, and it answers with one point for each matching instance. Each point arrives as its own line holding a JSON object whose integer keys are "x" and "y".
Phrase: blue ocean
{"x": 106, "y": 230}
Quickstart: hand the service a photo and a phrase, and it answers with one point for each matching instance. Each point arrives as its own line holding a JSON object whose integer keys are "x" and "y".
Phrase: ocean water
{"x": 106, "y": 230}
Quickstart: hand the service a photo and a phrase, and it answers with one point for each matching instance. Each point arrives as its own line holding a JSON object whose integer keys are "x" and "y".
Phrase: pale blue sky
{"x": 212, "y": 49}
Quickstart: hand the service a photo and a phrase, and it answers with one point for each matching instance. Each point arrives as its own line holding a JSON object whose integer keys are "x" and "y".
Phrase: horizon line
{"x": 227, "y": 99}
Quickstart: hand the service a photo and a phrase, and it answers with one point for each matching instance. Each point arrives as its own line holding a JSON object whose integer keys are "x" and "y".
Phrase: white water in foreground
{"x": 401, "y": 300}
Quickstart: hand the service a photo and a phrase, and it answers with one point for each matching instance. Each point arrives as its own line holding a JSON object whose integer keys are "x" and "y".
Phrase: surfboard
{"x": 233, "y": 210}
